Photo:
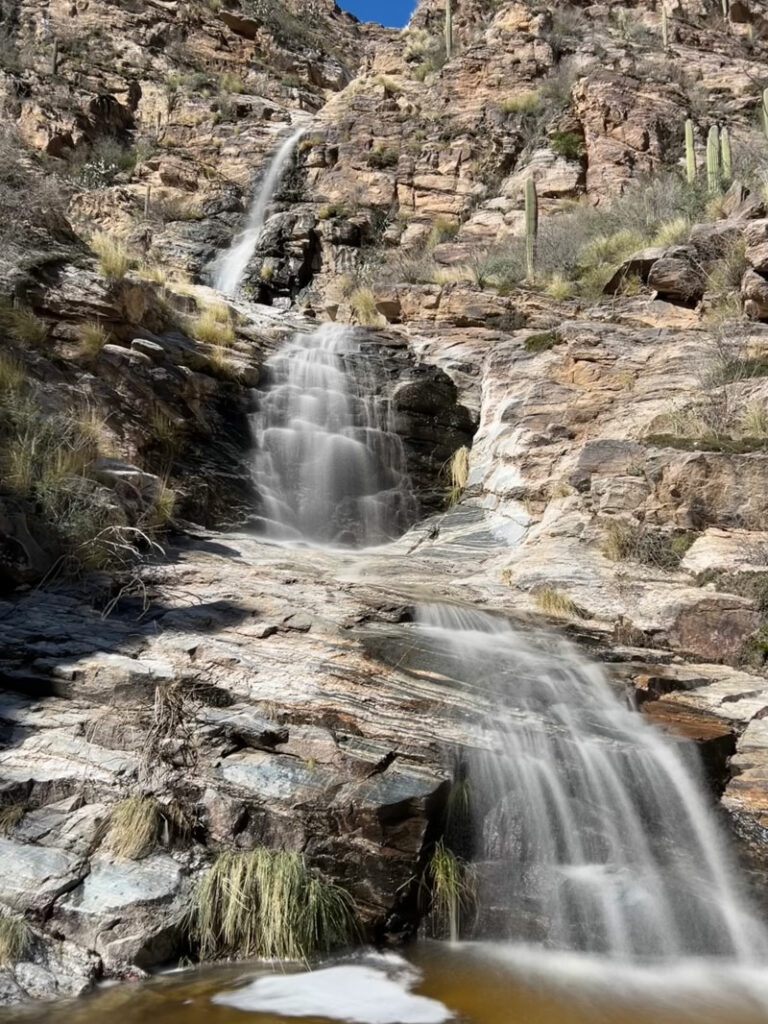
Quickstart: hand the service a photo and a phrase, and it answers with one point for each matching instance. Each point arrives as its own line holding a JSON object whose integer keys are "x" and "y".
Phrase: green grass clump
{"x": 266, "y": 903}
{"x": 569, "y": 145}
{"x": 453, "y": 885}
{"x": 541, "y": 342}
{"x": 15, "y": 938}
{"x": 134, "y": 827}
{"x": 443, "y": 229}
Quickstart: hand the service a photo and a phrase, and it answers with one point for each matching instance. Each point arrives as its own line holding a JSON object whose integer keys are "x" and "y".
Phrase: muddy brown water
{"x": 432, "y": 984}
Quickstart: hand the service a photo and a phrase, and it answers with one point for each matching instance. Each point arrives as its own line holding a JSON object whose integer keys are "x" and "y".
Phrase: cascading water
{"x": 328, "y": 466}
{"x": 228, "y": 268}
{"x": 592, "y": 826}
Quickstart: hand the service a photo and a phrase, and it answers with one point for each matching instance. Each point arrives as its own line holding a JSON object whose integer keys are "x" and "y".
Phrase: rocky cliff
{"x": 614, "y": 400}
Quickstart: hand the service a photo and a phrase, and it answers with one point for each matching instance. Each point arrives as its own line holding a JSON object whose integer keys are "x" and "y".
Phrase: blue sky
{"x": 386, "y": 12}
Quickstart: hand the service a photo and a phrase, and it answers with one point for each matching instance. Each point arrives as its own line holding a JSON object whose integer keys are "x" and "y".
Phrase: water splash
{"x": 328, "y": 467}
{"x": 229, "y": 268}
{"x": 592, "y": 829}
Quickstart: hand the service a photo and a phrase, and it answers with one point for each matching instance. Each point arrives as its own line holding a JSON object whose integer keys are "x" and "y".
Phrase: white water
{"x": 229, "y": 268}
{"x": 328, "y": 466}
{"x": 363, "y": 993}
{"x": 597, "y": 833}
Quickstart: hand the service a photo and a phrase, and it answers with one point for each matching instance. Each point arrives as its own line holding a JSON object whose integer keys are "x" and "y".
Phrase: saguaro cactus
{"x": 725, "y": 154}
{"x": 690, "y": 153}
{"x": 764, "y": 113}
{"x": 531, "y": 226}
{"x": 713, "y": 159}
{"x": 55, "y": 57}
{"x": 449, "y": 28}
{"x": 664, "y": 29}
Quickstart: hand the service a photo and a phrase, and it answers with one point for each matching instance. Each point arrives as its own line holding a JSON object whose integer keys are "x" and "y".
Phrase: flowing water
{"x": 229, "y": 268}
{"x": 593, "y": 829}
{"x": 328, "y": 466}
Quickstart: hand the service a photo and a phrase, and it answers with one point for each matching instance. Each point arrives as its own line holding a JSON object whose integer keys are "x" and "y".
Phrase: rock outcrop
{"x": 615, "y": 402}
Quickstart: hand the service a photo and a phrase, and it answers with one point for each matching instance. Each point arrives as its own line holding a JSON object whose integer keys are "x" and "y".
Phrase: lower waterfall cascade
{"x": 328, "y": 466}
{"x": 603, "y": 833}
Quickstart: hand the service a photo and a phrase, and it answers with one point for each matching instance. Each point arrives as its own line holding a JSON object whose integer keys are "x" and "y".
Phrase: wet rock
{"x": 127, "y": 909}
{"x": 31, "y": 877}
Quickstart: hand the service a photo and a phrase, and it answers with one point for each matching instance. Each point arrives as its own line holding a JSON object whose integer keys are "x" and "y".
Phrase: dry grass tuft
{"x": 114, "y": 261}
{"x": 458, "y": 469}
{"x": 134, "y": 827}
{"x": 363, "y": 305}
{"x": 214, "y": 326}
{"x": 551, "y": 601}
{"x": 10, "y": 817}
{"x": 92, "y": 337}
{"x": 266, "y": 903}
{"x": 15, "y": 938}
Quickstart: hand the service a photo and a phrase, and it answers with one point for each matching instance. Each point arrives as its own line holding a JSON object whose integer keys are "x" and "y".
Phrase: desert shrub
{"x": 32, "y": 202}
{"x": 542, "y": 341}
{"x": 623, "y": 540}
{"x": 584, "y": 243}
{"x": 567, "y": 144}
{"x": 267, "y": 903}
{"x": 443, "y": 230}
{"x": 527, "y": 101}
{"x": 97, "y": 166}
{"x": 229, "y": 81}
{"x": 381, "y": 157}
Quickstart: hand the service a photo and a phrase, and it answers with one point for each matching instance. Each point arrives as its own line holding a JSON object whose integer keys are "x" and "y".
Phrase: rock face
{"x": 618, "y": 471}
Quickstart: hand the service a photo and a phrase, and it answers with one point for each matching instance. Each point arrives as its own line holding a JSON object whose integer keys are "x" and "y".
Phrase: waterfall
{"x": 230, "y": 266}
{"x": 591, "y": 830}
{"x": 328, "y": 465}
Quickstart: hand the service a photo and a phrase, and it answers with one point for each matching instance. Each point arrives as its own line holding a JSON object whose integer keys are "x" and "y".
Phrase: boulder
{"x": 754, "y": 292}
{"x": 677, "y": 280}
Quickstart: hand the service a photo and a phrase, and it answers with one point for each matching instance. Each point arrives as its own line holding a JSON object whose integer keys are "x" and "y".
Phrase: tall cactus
{"x": 764, "y": 113}
{"x": 713, "y": 159}
{"x": 449, "y": 28}
{"x": 664, "y": 29}
{"x": 55, "y": 57}
{"x": 725, "y": 154}
{"x": 690, "y": 153}
{"x": 531, "y": 227}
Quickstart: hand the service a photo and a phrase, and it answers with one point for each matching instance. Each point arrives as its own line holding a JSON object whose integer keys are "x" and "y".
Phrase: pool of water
{"x": 433, "y": 983}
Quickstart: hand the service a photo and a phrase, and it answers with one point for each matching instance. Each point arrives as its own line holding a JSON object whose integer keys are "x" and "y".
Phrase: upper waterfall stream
{"x": 229, "y": 268}
{"x": 328, "y": 466}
